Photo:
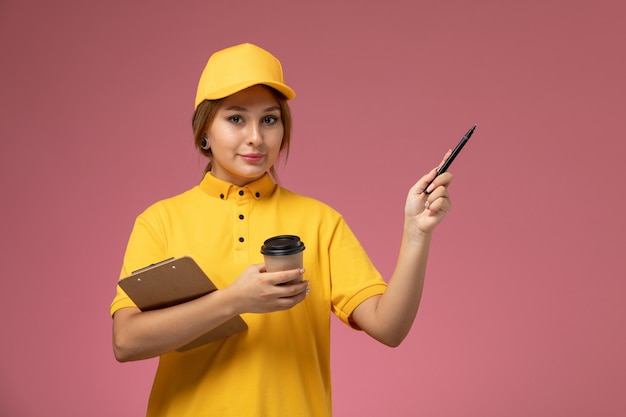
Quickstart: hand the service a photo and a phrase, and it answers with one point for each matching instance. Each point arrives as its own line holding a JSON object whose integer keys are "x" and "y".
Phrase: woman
{"x": 281, "y": 365}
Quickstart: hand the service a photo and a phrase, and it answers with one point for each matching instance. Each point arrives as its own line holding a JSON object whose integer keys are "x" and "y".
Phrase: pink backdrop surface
{"x": 523, "y": 311}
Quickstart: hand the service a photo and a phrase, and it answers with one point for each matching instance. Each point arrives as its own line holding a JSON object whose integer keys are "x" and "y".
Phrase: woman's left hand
{"x": 425, "y": 211}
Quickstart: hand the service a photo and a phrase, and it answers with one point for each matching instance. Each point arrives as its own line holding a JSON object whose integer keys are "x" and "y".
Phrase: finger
{"x": 431, "y": 185}
{"x": 438, "y": 200}
{"x": 293, "y": 295}
{"x": 293, "y": 290}
{"x": 444, "y": 180}
{"x": 283, "y": 277}
{"x": 440, "y": 205}
{"x": 422, "y": 183}
{"x": 440, "y": 187}
{"x": 446, "y": 156}
{"x": 289, "y": 302}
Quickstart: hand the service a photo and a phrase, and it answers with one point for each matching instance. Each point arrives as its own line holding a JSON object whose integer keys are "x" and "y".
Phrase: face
{"x": 245, "y": 136}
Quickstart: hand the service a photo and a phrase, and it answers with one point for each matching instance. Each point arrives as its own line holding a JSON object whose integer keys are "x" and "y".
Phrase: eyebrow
{"x": 243, "y": 109}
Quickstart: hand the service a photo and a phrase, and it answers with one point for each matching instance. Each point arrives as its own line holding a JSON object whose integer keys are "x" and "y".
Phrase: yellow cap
{"x": 237, "y": 68}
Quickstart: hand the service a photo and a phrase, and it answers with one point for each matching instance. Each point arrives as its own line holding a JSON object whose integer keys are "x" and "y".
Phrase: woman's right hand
{"x": 257, "y": 291}
{"x": 141, "y": 335}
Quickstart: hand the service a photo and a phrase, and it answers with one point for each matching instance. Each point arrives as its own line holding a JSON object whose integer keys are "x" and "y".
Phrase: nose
{"x": 255, "y": 135}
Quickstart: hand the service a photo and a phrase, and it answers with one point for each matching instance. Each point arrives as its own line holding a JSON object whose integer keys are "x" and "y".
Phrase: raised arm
{"x": 389, "y": 317}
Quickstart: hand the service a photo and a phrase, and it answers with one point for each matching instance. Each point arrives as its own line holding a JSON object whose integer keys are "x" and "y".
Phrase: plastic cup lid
{"x": 282, "y": 245}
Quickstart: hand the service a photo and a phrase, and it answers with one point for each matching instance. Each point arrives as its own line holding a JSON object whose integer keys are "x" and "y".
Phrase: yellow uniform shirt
{"x": 281, "y": 365}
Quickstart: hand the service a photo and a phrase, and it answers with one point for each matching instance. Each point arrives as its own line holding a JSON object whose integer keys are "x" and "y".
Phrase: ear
{"x": 205, "y": 144}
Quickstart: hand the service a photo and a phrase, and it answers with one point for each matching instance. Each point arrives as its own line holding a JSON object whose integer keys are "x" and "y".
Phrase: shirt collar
{"x": 217, "y": 188}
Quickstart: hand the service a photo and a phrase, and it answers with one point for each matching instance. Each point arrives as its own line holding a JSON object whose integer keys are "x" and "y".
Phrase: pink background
{"x": 523, "y": 311}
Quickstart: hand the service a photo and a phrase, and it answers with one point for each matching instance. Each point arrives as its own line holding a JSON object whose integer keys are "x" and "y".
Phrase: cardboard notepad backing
{"x": 173, "y": 282}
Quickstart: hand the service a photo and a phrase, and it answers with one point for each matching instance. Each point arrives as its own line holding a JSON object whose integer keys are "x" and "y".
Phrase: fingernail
{"x": 308, "y": 290}
{"x": 430, "y": 188}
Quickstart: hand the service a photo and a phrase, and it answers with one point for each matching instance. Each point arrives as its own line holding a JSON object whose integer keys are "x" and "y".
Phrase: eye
{"x": 236, "y": 119}
{"x": 269, "y": 120}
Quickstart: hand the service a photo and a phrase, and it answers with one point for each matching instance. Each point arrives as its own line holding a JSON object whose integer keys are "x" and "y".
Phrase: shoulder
{"x": 303, "y": 202}
{"x": 183, "y": 201}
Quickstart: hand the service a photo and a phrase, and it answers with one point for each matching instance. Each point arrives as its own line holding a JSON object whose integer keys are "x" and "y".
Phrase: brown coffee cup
{"x": 282, "y": 253}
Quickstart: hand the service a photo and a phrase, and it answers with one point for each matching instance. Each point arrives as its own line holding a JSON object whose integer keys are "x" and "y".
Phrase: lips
{"x": 253, "y": 157}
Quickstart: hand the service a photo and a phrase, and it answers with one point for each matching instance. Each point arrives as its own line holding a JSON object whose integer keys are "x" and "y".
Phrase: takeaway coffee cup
{"x": 282, "y": 253}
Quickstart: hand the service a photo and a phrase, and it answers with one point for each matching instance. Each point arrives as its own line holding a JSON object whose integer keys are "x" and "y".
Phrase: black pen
{"x": 443, "y": 168}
